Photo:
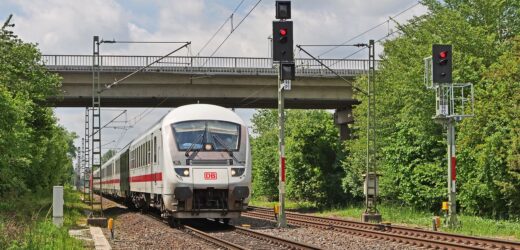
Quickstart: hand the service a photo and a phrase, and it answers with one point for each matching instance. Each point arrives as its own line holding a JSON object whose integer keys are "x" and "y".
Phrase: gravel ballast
{"x": 134, "y": 230}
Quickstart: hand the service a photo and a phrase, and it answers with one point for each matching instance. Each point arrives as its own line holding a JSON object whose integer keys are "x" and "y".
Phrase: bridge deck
{"x": 204, "y": 65}
{"x": 227, "y": 81}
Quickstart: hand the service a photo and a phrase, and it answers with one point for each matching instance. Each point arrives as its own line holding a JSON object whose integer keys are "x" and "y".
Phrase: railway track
{"x": 224, "y": 244}
{"x": 284, "y": 243}
{"x": 404, "y": 235}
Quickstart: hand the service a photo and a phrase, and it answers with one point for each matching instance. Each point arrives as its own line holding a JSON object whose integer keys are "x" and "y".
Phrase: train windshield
{"x": 194, "y": 134}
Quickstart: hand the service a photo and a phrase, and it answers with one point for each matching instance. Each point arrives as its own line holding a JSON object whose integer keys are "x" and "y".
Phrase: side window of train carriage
{"x": 131, "y": 159}
{"x": 142, "y": 155}
{"x": 149, "y": 152}
{"x": 145, "y": 145}
{"x": 155, "y": 149}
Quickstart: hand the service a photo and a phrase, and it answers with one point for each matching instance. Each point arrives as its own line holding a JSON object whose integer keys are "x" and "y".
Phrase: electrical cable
{"x": 370, "y": 29}
{"x": 238, "y": 25}
{"x": 220, "y": 28}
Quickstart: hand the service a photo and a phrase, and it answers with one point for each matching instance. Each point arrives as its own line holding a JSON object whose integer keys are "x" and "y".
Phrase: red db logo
{"x": 210, "y": 175}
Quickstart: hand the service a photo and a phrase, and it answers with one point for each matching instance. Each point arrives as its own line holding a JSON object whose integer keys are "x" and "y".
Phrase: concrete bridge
{"x": 237, "y": 82}
{"x": 234, "y": 82}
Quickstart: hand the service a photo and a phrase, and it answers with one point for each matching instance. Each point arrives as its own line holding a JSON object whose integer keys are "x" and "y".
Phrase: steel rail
{"x": 212, "y": 239}
{"x": 366, "y": 233}
{"x": 461, "y": 240}
{"x": 273, "y": 239}
{"x": 202, "y": 235}
{"x": 241, "y": 230}
{"x": 250, "y": 233}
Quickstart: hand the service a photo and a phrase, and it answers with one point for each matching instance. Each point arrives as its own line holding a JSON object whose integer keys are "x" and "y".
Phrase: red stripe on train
{"x": 113, "y": 181}
{"x": 147, "y": 178}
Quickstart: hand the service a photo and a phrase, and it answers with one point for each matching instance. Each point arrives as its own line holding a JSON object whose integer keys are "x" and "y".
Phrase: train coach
{"x": 194, "y": 163}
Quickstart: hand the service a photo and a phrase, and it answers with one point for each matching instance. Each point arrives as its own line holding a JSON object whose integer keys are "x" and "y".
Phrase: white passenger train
{"x": 194, "y": 163}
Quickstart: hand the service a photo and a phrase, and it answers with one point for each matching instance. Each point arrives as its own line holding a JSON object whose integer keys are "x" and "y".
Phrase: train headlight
{"x": 237, "y": 171}
{"x": 184, "y": 172}
{"x": 208, "y": 147}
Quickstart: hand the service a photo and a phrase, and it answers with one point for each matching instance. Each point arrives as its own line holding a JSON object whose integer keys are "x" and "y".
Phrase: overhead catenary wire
{"x": 108, "y": 86}
{"x": 370, "y": 29}
{"x": 238, "y": 25}
{"x": 220, "y": 28}
{"x": 331, "y": 70}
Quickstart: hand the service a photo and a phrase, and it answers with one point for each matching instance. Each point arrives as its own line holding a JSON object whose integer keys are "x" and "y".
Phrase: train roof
{"x": 195, "y": 112}
{"x": 191, "y": 112}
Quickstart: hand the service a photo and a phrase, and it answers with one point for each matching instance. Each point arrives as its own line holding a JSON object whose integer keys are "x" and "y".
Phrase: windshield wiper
{"x": 187, "y": 154}
{"x": 226, "y": 148}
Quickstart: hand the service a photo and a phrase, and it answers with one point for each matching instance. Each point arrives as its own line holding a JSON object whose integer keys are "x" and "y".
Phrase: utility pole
{"x": 86, "y": 151}
{"x": 371, "y": 176}
{"x": 371, "y": 184}
{"x": 96, "y": 125}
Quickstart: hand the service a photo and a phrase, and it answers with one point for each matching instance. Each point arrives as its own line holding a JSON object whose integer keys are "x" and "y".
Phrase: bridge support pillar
{"x": 342, "y": 118}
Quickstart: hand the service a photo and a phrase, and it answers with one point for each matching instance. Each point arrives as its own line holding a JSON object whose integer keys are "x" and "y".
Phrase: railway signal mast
{"x": 283, "y": 55}
{"x": 454, "y": 101}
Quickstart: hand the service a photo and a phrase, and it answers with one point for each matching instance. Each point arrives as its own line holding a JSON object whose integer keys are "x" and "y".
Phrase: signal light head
{"x": 283, "y": 32}
{"x": 443, "y": 54}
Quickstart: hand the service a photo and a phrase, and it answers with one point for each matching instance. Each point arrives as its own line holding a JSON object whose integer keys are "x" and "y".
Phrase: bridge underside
{"x": 152, "y": 89}
{"x": 139, "y": 102}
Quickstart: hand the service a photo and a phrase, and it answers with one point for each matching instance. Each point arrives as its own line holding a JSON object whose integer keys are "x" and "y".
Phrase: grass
{"x": 26, "y": 222}
{"x": 301, "y": 206}
{"x": 470, "y": 225}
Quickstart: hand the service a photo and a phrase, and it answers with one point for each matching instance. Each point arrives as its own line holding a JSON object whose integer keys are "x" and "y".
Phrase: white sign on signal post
{"x": 286, "y": 84}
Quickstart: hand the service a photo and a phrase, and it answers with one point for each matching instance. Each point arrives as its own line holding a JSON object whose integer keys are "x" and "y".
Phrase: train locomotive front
{"x": 207, "y": 163}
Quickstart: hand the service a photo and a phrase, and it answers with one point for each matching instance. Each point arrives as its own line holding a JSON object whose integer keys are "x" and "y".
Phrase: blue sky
{"x": 67, "y": 27}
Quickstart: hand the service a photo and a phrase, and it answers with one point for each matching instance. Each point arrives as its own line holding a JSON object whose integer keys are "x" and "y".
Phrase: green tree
{"x": 412, "y": 156}
{"x": 313, "y": 156}
{"x": 264, "y": 148}
{"x": 36, "y": 152}
{"x": 489, "y": 142}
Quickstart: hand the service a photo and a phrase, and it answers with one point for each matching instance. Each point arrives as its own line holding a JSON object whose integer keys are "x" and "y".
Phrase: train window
{"x": 155, "y": 149}
{"x": 132, "y": 159}
{"x": 148, "y": 153}
{"x": 223, "y": 135}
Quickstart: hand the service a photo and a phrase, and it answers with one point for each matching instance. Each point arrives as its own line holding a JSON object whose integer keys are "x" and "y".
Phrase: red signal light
{"x": 443, "y": 54}
{"x": 283, "y": 32}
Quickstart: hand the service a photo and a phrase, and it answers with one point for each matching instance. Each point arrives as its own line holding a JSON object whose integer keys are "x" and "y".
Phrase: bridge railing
{"x": 204, "y": 65}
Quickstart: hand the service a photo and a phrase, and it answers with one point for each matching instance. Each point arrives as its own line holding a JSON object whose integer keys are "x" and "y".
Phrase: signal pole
{"x": 282, "y": 221}
{"x": 283, "y": 55}
{"x": 451, "y": 106}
